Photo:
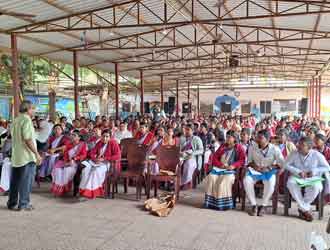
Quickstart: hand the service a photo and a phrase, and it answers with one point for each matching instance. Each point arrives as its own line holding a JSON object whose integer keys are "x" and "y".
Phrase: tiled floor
{"x": 121, "y": 224}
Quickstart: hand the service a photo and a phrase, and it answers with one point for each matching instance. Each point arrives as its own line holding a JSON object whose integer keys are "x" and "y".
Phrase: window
{"x": 245, "y": 107}
{"x": 286, "y": 105}
{"x": 265, "y": 107}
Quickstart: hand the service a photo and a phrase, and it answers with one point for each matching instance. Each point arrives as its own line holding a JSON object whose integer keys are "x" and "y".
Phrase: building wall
{"x": 207, "y": 97}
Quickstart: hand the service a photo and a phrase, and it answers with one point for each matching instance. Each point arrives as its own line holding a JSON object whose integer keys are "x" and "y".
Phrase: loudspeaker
{"x": 186, "y": 107}
{"x": 126, "y": 107}
{"x": 303, "y": 106}
{"x": 146, "y": 107}
{"x": 171, "y": 105}
{"x": 233, "y": 61}
{"x": 166, "y": 107}
{"x": 171, "y": 100}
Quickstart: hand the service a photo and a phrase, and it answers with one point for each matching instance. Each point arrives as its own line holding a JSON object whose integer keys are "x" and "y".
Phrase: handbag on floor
{"x": 162, "y": 205}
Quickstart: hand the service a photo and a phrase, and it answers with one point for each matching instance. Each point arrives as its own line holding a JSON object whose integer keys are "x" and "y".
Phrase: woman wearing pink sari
{"x": 65, "y": 170}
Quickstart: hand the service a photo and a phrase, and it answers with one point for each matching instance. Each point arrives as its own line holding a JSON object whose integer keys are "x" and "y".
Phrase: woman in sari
{"x": 95, "y": 169}
{"x": 65, "y": 170}
{"x": 6, "y": 165}
{"x": 94, "y": 138}
{"x": 56, "y": 147}
{"x": 228, "y": 158}
{"x": 169, "y": 139}
{"x": 144, "y": 136}
{"x": 192, "y": 149}
{"x": 157, "y": 140}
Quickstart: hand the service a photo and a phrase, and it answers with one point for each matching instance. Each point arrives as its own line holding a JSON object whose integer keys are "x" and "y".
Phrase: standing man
{"x": 24, "y": 159}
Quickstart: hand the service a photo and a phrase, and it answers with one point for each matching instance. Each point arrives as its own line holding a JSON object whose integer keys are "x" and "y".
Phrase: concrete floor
{"x": 121, "y": 224}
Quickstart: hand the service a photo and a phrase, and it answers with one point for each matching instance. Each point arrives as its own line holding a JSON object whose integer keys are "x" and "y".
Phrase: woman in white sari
{"x": 65, "y": 170}
{"x": 191, "y": 151}
{"x": 95, "y": 169}
{"x": 6, "y": 166}
{"x": 56, "y": 147}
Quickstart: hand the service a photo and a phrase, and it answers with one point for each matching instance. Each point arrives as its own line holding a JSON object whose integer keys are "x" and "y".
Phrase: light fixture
{"x": 111, "y": 33}
{"x": 83, "y": 36}
{"x": 219, "y": 3}
{"x": 259, "y": 53}
{"x": 164, "y": 31}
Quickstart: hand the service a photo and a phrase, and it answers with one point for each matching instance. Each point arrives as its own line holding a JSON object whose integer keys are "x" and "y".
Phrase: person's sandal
{"x": 306, "y": 216}
{"x": 261, "y": 211}
{"x": 253, "y": 211}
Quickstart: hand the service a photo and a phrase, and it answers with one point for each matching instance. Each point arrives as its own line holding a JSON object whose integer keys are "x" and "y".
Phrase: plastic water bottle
{"x": 317, "y": 242}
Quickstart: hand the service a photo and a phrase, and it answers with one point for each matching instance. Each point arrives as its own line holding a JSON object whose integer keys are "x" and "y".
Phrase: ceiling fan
{"x": 15, "y": 14}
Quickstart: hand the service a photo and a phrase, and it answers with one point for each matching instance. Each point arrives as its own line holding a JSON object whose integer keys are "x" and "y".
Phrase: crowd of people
{"x": 217, "y": 147}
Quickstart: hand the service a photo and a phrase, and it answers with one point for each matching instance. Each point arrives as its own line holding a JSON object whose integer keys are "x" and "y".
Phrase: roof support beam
{"x": 112, "y": 19}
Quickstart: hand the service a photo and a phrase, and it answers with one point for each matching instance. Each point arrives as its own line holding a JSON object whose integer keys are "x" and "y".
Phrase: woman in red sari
{"x": 144, "y": 136}
{"x": 64, "y": 170}
{"x": 95, "y": 169}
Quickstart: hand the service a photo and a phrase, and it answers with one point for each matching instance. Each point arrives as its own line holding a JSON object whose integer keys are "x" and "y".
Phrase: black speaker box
{"x": 186, "y": 108}
{"x": 146, "y": 107}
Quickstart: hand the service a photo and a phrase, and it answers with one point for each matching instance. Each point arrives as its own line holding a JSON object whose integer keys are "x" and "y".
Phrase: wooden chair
{"x": 137, "y": 160}
{"x": 76, "y": 179}
{"x": 237, "y": 186}
{"x": 197, "y": 178}
{"x": 110, "y": 178}
{"x": 124, "y": 143}
{"x": 319, "y": 201}
{"x": 168, "y": 159}
{"x": 259, "y": 185}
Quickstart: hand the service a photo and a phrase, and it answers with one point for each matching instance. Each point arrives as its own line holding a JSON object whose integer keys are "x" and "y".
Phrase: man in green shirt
{"x": 24, "y": 159}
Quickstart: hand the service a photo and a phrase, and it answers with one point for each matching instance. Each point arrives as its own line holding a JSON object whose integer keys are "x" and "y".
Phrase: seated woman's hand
{"x": 230, "y": 168}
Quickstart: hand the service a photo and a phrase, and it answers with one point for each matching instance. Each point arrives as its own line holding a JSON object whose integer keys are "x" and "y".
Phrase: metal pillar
{"x": 312, "y": 98}
{"x": 320, "y": 95}
{"x": 177, "y": 98}
{"x": 76, "y": 84}
{"x": 52, "y": 105}
{"x": 188, "y": 96}
{"x": 161, "y": 92}
{"x": 316, "y": 97}
{"x": 198, "y": 101}
{"x": 14, "y": 74}
{"x": 142, "y": 93}
{"x": 117, "y": 91}
{"x": 309, "y": 98}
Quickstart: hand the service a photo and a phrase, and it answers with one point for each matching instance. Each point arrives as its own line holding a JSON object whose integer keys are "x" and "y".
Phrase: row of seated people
{"x": 95, "y": 148}
{"x": 65, "y": 151}
{"x": 265, "y": 161}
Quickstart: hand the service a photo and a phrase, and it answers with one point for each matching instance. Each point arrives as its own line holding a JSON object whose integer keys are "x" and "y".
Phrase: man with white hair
{"x": 302, "y": 164}
{"x": 24, "y": 159}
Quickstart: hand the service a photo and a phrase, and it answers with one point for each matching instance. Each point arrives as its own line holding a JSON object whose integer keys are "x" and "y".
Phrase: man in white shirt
{"x": 305, "y": 163}
{"x": 263, "y": 161}
{"x": 122, "y": 133}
